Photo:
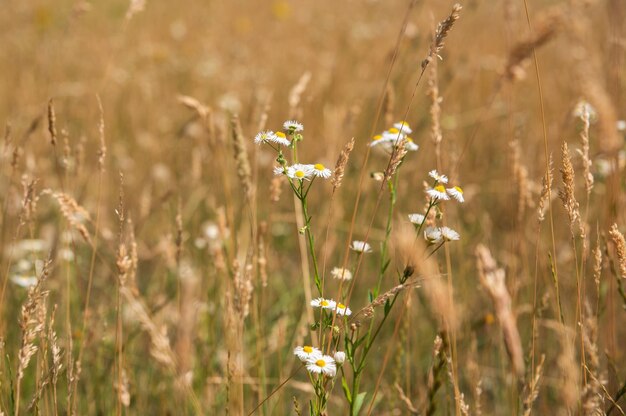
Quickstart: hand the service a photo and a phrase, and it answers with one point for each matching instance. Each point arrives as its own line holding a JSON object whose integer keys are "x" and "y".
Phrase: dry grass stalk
{"x": 160, "y": 344}
{"x": 193, "y": 104}
{"x": 597, "y": 266}
{"x": 368, "y": 311}
{"x": 32, "y": 325}
{"x": 567, "y": 194}
{"x": 435, "y": 109}
{"x": 134, "y": 258}
{"x": 241, "y": 158}
{"x": 522, "y": 51}
{"x": 397, "y": 157}
{"x": 262, "y": 254}
{"x": 102, "y": 151}
{"x": 29, "y": 201}
{"x": 388, "y": 105}
{"x": 439, "y": 363}
{"x": 620, "y": 248}
{"x": 75, "y": 214}
{"x": 186, "y": 327}
{"x": 52, "y": 123}
{"x": 404, "y": 399}
{"x": 295, "y": 95}
{"x": 492, "y": 278}
{"x": 592, "y": 398}
{"x": 340, "y": 166}
{"x": 584, "y": 152}
{"x": 532, "y": 389}
{"x": 568, "y": 369}
{"x": 276, "y": 188}
{"x": 546, "y": 191}
{"x": 179, "y": 232}
{"x": 520, "y": 175}
{"x": 443, "y": 28}
{"x": 55, "y": 352}
{"x": 243, "y": 288}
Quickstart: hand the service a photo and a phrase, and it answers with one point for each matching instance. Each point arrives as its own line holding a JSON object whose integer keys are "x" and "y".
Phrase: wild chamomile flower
{"x": 339, "y": 357}
{"x": 438, "y": 192}
{"x": 432, "y": 235}
{"x": 341, "y": 273}
{"x": 306, "y": 352}
{"x": 343, "y": 310}
{"x": 456, "y": 193}
{"x": 322, "y": 364}
{"x": 299, "y": 171}
{"x": 24, "y": 281}
{"x": 360, "y": 246}
{"x": 293, "y": 126}
{"x": 410, "y": 145}
{"x": 320, "y": 171}
{"x": 436, "y": 176}
{"x": 279, "y": 170}
{"x": 403, "y": 126}
{"x": 323, "y": 303}
{"x": 263, "y": 136}
{"x": 417, "y": 219}
{"x": 448, "y": 234}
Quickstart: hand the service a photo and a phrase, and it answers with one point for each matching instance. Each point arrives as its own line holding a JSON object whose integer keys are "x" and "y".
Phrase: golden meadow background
{"x": 141, "y": 184}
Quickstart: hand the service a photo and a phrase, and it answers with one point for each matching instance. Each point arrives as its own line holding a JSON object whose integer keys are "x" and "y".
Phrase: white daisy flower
{"x": 410, "y": 145}
{"x": 293, "y": 126}
{"x": 403, "y": 126}
{"x": 320, "y": 171}
{"x": 456, "y": 193}
{"x": 417, "y": 219}
{"x": 264, "y": 136}
{"x": 306, "y": 352}
{"x": 24, "y": 281}
{"x": 438, "y": 192}
{"x": 376, "y": 140}
{"x": 436, "y": 176}
{"x": 343, "y": 310}
{"x": 299, "y": 171}
{"x": 280, "y": 138}
{"x": 584, "y": 107}
{"x": 324, "y": 364}
{"x": 361, "y": 246}
{"x": 621, "y": 125}
{"x": 393, "y": 134}
{"x": 279, "y": 170}
{"x": 433, "y": 235}
{"x": 339, "y": 357}
{"x": 323, "y": 303}
{"x": 449, "y": 234}
{"x": 341, "y": 273}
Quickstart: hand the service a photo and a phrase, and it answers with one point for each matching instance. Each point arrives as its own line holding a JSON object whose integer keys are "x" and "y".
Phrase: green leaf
{"x": 358, "y": 403}
{"x": 346, "y": 389}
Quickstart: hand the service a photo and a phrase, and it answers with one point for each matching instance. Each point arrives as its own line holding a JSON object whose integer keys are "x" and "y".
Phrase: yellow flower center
{"x": 409, "y": 139}
{"x": 458, "y": 189}
{"x": 394, "y": 130}
{"x": 377, "y": 137}
{"x": 324, "y": 303}
{"x": 403, "y": 123}
{"x": 320, "y": 363}
{"x": 299, "y": 174}
{"x": 280, "y": 134}
{"x": 440, "y": 188}
{"x": 341, "y": 306}
{"x": 307, "y": 349}
{"x": 319, "y": 166}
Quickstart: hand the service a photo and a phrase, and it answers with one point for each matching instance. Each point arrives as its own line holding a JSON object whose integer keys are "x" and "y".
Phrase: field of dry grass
{"x": 159, "y": 257}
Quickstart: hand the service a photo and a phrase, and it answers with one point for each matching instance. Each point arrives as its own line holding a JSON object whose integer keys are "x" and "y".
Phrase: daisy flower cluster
{"x": 331, "y": 305}
{"x": 296, "y": 172}
{"x": 438, "y": 192}
{"x": 389, "y": 139}
{"x": 319, "y": 363}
